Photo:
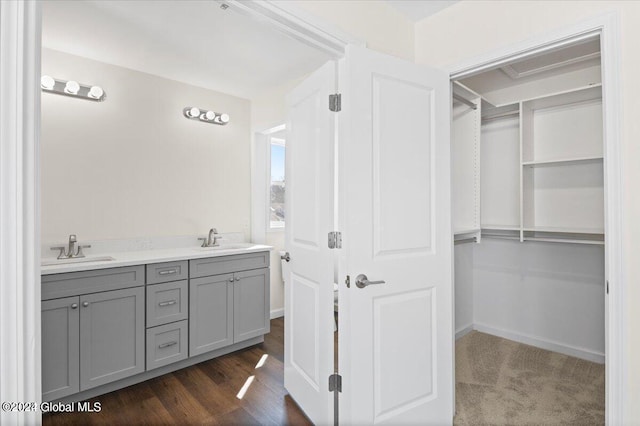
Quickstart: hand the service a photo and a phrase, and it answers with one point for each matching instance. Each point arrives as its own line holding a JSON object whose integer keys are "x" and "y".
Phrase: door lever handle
{"x": 286, "y": 257}
{"x": 362, "y": 281}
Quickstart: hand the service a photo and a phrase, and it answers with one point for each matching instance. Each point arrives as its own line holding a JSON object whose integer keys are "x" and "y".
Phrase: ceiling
{"x": 195, "y": 42}
{"x": 417, "y": 10}
{"x": 574, "y": 65}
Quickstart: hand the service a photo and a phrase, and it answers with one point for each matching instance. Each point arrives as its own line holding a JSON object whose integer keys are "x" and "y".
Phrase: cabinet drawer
{"x": 167, "y": 344}
{"x": 169, "y": 271}
{"x": 167, "y": 302}
{"x": 77, "y": 283}
{"x": 225, "y": 264}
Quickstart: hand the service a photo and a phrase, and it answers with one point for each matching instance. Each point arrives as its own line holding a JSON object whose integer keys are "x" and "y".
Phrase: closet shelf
{"x": 564, "y": 240}
{"x": 564, "y": 235}
{"x": 562, "y": 161}
{"x": 500, "y": 228}
{"x": 562, "y": 230}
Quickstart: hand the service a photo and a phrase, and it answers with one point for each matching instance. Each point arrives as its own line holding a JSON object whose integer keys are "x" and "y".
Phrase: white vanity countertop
{"x": 129, "y": 257}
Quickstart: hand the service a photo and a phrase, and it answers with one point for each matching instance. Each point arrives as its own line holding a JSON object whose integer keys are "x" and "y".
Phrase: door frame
{"x": 608, "y": 28}
{"x": 20, "y": 327}
{"x": 20, "y": 187}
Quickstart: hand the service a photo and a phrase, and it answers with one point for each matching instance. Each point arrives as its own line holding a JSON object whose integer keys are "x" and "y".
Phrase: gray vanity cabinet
{"x": 60, "y": 347}
{"x": 229, "y": 300}
{"x": 112, "y": 336}
{"x": 250, "y": 304}
{"x": 96, "y": 330}
{"x": 92, "y": 329}
{"x": 210, "y": 313}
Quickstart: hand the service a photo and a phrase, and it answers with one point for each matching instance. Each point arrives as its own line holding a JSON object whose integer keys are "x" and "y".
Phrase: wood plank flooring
{"x": 204, "y": 394}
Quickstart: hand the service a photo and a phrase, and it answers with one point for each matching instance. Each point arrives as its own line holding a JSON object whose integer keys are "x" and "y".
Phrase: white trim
{"x": 259, "y": 176}
{"x": 296, "y": 23}
{"x": 277, "y": 313}
{"x": 19, "y": 210}
{"x": 464, "y": 331}
{"x": 542, "y": 343}
{"x": 608, "y": 27}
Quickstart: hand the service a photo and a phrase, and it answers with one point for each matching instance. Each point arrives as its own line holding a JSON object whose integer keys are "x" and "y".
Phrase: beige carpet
{"x": 501, "y": 382}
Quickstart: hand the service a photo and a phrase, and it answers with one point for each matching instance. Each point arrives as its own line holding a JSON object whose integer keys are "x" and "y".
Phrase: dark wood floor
{"x": 204, "y": 393}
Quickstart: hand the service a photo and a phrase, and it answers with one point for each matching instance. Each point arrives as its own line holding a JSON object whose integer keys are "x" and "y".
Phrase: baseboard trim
{"x": 277, "y": 313}
{"x": 549, "y": 345}
{"x": 463, "y": 331}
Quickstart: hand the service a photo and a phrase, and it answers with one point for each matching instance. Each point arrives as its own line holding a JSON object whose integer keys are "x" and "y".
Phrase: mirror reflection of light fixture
{"x": 72, "y": 88}
{"x": 205, "y": 115}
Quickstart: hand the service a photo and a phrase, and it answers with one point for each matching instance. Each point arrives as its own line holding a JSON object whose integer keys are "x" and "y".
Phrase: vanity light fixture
{"x": 72, "y": 88}
{"x": 205, "y": 116}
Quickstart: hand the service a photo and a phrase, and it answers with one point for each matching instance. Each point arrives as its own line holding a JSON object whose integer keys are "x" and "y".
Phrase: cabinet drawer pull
{"x": 168, "y": 272}
{"x": 74, "y": 306}
{"x": 166, "y": 345}
{"x": 167, "y": 303}
{"x": 85, "y": 304}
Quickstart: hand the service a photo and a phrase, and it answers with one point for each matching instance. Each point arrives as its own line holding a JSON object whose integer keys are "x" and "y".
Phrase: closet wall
{"x": 528, "y": 200}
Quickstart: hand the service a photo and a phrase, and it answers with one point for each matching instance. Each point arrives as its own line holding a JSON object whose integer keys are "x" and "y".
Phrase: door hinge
{"x": 607, "y": 286}
{"x": 335, "y": 102}
{"x": 335, "y": 240}
{"x": 335, "y": 383}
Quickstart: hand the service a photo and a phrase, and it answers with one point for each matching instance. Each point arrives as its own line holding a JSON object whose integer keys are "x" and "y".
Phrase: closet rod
{"x": 465, "y": 101}
{"x": 504, "y": 114}
{"x": 466, "y": 240}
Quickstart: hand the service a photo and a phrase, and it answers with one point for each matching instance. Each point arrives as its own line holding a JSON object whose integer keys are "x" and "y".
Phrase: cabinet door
{"x": 60, "y": 348}
{"x": 250, "y": 304}
{"x": 210, "y": 313}
{"x": 112, "y": 336}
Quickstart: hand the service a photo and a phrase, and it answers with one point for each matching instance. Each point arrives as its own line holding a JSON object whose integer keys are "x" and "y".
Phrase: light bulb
{"x": 209, "y": 115}
{"x": 72, "y": 87}
{"x": 224, "y": 118}
{"x": 193, "y": 112}
{"x": 95, "y": 92}
{"x": 47, "y": 82}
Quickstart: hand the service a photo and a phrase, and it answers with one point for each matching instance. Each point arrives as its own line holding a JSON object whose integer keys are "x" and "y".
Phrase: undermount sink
{"x": 234, "y": 246}
{"x": 76, "y": 260}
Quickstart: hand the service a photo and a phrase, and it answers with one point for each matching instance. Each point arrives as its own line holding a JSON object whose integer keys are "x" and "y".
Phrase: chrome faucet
{"x": 212, "y": 239}
{"x": 71, "y": 252}
{"x": 73, "y": 240}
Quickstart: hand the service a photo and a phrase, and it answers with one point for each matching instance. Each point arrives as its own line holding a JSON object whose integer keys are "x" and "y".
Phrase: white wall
{"x": 376, "y": 23}
{"x": 468, "y": 29}
{"x": 133, "y": 166}
{"x": 547, "y": 294}
{"x": 463, "y": 275}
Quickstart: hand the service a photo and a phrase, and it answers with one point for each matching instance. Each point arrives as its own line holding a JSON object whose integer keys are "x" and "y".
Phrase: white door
{"x": 396, "y": 338}
{"x": 309, "y": 218}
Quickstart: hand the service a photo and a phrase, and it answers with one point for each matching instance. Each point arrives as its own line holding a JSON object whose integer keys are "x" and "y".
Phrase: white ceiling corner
{"x": 416, "y": 10}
